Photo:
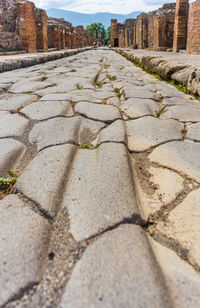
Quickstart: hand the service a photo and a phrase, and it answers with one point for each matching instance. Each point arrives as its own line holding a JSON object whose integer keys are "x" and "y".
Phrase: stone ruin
{"x": 174, "y": 26}
{"x": 25, "y": 27}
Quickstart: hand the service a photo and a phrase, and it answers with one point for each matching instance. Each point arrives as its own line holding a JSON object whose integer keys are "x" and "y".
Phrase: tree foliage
{"x": 99, "y": 27}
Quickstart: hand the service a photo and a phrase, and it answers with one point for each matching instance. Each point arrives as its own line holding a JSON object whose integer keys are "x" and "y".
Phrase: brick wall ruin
{"x": 25, "y": 27}
{"x": 175, "y": 25}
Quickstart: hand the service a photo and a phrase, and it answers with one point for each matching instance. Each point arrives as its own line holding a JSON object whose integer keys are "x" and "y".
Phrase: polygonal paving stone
{"x": 115, "y": 132}
{"x": 139, "y": 92}
{"x": 23, "y": 247}
{"x": 148, "y": 132}
{"x": 26, "y": 86}
{"x": 183, "y": 226}
{"x": 186, "y": 102}
{"x": 43, "y": 179}
{"x": 117, "y": 270}
{"x": 11, "y": 153}
{"x": 182, "y": 156}
{"x": 13, "y": 102}
{"x": 12, "y": 125}
{"x": 193, "y": 132}
{"x": 65, "y": 130}
{"x": 103, "y": 194}
{"x": 182, "y": 281}
{"x": 136, "y": 107}
{"x": 46, "y": 109}
{"x": 68, "y": 97}
{"x": 99, "y": 112}
{"x": 167, "y": 186}
{"x": 182, "y": 113}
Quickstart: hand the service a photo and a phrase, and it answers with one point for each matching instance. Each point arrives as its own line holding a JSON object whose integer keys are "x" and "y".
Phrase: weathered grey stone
{"x": 13, "y": 102}
{"x": 148, "y": 132}
{"x": 12, "y": 125}
{"x": 115, "y": 132}
{"x": 117, "y": 270}
{"x": 182, "y": 76}
{"x": 99, "y": 112}
{"x": 11, "y": 153}
{"x": 25, "y": 86}
{"x": 170, "y": 91}
{"x": 182, "y": 113}
{"x": 183, "y": 226}
{"x": 193, "y": 84}
{"x": 139, "y": 92}
{"x": 23, "y": 247}
{"x": 171, "y": 101}
{"x": 182, "y": 156}
{"x": 98, "y": 197}
{"x": 193, "y": 131}
{"x": 167, "y": 186}
{"x": 46, "y": 109}
{"x": 113, "y": 101}
{"x": 181, "y": 279}
{"x": 69, "y": 97}
{"x": 44, "y": 177}
{"x": 65, "y": 130}
{"x": 137, "y": 107}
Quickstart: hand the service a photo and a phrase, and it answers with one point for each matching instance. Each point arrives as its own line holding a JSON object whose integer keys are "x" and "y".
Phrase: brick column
{"x": 180, "y": 25}
{"x": 41, "y": 29}
{"x": 114, "y": 35}
{"x": 160, "y": 33}
{"x": 27, "y": 26}
{"x": 193, "y": 39}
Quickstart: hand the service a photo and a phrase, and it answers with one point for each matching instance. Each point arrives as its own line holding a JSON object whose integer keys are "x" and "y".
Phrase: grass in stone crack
{"x": 99, "y": 84}
{"x": 87, "y": 146}
{"x": 6, "y": 184}
{"x": 161, "y": 111}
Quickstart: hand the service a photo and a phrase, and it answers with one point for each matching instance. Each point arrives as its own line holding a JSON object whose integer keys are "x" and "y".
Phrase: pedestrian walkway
{"x": 105, "y": 212}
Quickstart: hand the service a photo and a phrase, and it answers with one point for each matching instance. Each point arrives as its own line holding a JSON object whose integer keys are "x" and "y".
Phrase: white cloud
{"x": 93, "y": 6}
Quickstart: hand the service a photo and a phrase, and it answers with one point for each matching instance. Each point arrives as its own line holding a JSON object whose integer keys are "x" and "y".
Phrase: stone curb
{"x": 14, "y": 64}
{"x": 169, "y": 70}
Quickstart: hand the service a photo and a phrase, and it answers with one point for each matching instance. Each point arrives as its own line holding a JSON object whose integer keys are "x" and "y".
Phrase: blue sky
{"x": 93, "y": 6}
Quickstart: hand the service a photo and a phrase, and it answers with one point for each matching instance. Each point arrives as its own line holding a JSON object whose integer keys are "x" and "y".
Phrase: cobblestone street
{"x": 105, "y": 213}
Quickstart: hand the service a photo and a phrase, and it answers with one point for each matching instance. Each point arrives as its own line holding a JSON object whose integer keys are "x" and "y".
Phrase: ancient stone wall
{"x": 114, "y": 35}
{"x": 24, "y": 26}
{"x": 193, "y": 38}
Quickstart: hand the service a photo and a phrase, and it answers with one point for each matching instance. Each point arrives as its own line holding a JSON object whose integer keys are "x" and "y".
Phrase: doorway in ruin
{"x": 116, "y": 42}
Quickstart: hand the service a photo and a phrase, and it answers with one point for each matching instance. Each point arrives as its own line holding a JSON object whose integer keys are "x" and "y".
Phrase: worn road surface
{"x": 105, "y": 213}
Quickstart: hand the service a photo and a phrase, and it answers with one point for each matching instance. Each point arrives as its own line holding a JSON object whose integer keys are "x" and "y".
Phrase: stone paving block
{"x": 69, "y": 97}
{"x": 26, "y": 86}
{"x": 42, "y": 110}
{"x": 11, "y": 153}
{"x": 181, "y": 279}
{"x": 99, "y": 112}
{"x": 117, "y": 270}
{"x": 182, "y": 113}
{"x": 12, "y": 102}
{"x": 137, "y": 107}
{"x": 147, "y": 132}
{"x": 183, "y": 226}
{"x": 193, "y": 131}
{"x": 169, "y": 183}
{"x": 170, "y": 101}
{"x": 23, "y": 247}
{"x": 114, "y": 101}
{"x": 139, "y": 92}
{"x": 167, "y": 186}
{"x": 98, "y": 197}
{"x": 115, "y": 132}
{"x": 12, "y": 125}
{"x": 170, "y": 91}
{"x": 43, "y": 179}
{"x": 65, "y": 130}
{"x": 182, "y": 156}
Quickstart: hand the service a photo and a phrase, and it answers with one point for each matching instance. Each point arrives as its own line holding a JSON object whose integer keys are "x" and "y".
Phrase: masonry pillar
{"x": 160, "y": 36}
{"x": 180, "y": 25}
{"x": 41, "y": 29}
{"x": 193, "y": 39}
{"x": 114, "y": 35}
{"x": 27, "y": 26}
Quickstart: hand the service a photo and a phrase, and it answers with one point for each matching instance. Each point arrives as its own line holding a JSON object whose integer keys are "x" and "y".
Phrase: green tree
{"x": 99, "y": 27}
